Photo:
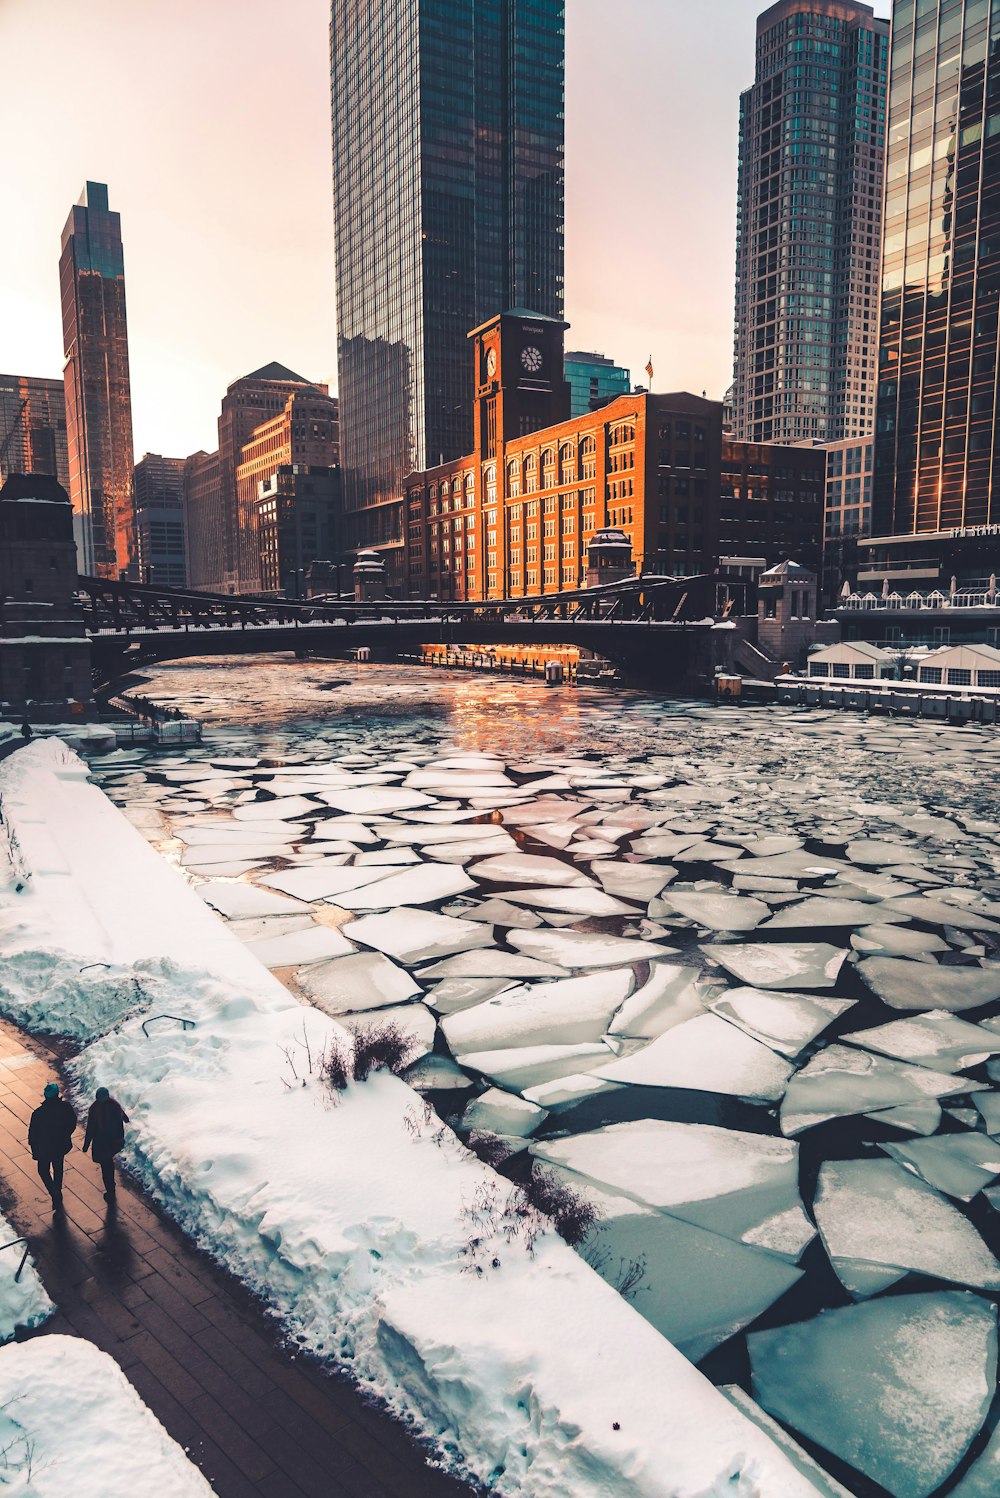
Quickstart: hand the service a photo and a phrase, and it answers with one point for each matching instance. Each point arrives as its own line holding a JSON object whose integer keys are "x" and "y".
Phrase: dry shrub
{"x": 384, "y": 1047}
{"x": 571, "y": 1214}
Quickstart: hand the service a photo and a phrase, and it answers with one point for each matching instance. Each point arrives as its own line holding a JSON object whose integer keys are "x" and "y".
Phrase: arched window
{"x": 530, "y": 473}
{"x": 567, "y": 464}
{"x": 514, "y": 478}
{"x": 548, "y": 467}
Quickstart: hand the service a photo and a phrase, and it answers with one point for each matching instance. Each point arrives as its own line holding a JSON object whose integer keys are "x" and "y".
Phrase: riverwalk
{"x": 257, "y": 1420}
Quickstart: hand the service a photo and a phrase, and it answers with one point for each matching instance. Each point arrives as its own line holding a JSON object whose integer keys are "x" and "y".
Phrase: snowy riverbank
{"x": 535, "y": 1376}
{"x": 72, "y": 1426}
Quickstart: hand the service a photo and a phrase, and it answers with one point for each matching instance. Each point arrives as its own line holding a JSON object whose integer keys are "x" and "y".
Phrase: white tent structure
{"x": 961, "y": 666}
{"x": 851, "y": 660}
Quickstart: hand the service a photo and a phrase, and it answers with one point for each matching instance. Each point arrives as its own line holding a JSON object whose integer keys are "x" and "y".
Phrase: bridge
{"x": 654, "y": 628}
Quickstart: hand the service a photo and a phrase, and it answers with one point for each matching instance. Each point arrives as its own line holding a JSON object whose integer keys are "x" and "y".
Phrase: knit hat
{"x": 102, "y": 1094}
{"x": 51, "y": 1090}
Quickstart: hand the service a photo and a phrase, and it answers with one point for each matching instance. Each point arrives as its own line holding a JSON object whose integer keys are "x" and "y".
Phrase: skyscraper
{"x": 33, "y": 427}
{"x": 812, "y": 139}
{"x": 448, "y": 203}
{"x": 98, "y": 395}
{"x": 593, "y": 380}
{"x": 158, "y": 485}
{"x": 938, "y": 437}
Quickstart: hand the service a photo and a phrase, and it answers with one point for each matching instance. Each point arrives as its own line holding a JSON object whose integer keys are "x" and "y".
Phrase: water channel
{"x": 733, "y": 974}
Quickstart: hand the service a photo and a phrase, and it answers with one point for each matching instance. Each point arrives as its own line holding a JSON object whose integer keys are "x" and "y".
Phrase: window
{"x": 958, "y": 677}
{"x": 841, "y": 669}
{"x": 930, "y": 674}
{"x": 988, "y": 678}
{"x": 819, "y": 668}
{"x": 864, "y": 673}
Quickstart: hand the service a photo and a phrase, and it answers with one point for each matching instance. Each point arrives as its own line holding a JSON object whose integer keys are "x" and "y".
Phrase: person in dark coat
{"x": 26, "y": 730}
{"x": 50, "y": 1139}
{"x": 105, "y": 1135}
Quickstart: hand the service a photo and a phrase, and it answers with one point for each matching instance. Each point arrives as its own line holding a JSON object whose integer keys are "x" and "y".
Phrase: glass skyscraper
{"x": 593, "y": 380}
{"x": 448, "y": 202}
{"x": 812, "y": 142}
{"x": 98, "y": 392}
{"x": 936, "y": 448}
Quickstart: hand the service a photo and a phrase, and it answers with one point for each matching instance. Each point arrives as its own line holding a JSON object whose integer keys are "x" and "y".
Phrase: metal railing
{"x": 24, "y": 1257}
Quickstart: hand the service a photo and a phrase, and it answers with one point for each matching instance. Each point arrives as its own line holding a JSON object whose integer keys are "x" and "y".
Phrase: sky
{"x": 209, "y": 120}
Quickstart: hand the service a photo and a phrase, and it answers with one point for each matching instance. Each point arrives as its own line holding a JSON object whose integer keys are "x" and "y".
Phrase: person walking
{"x": 105, "y": 1136}
{"x": 50, "y": 1139}
{"x": 26, "y": 729}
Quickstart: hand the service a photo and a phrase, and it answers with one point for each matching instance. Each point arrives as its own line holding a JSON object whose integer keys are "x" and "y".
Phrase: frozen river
{"x": 733, "y": 974}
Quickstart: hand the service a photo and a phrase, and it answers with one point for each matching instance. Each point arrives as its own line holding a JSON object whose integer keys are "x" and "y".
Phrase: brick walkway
{"x": 194, "y": 1344}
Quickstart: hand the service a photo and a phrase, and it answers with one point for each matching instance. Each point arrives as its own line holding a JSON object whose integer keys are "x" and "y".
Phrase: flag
{"x": 649, "y": 367}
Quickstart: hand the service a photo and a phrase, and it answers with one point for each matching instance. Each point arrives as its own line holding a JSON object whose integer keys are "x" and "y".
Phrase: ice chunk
{"x": 364, "y": 980}
{"x": 578, "y": 902}
{"x": 786, "y": 1022}
{"x": 563, "y": 1013}
{"x": 829, "y": 910}
{"x": 960, "y": 1165}
{"x": 875, "y": 854}
{"x": 585, "y": 949}
{"x": 923, "y": 985}
{"x": 492, "y": 964}
{"x": 669, "y": 998}
{"x": 718, "y": 912}
{"x": 988, "y": 1104}
{"x": 415, "y": 1020}
{"x": 898, "y": 1387}
{"x": 890, "y": 941}
{"x": 342, "y": 830}
{"x": 382, "y": 856}
{"x": 483, "y": 847}
{"x": 876, "y": 1213}
{"x": 697, "y": 1288}
{"x": 841, "y": 1081}
{"x": 329, "y": 877}
{"x": 500, "y": 913}
{"x": 937, "y": 912}
{"x": 414, "y": 935}
{"x": 299, "y": 948}
{"x": 935, "y": 1039}
{"x": 633, "y": 881}
{"x": 371, "y": 800}
{"x": 555, "y": 834}
{"x": 437, "y": 1074}
{"x": 744, "y": 1186}
{"x": 520, "y": 1068}
{"x": 239, "y": 901}
{"x": 784, "y": 866}
{"x": 982, "y": 1480}
{"x": 911, "y": 1118}
{"x": 780, "y": 965}
{"x": 497, "y": 1112}
{"x": 419, "y": 886}
{"x": 566, "y": 1092}
{"x": 454, "y": 994}
{"x": 529, "y": 868}
{"x": 705, "y": 1054}
{"x": 284, "y": 809}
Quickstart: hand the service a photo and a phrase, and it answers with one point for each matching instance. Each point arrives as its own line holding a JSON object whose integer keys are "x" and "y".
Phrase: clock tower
{"x": 520, "y": 384}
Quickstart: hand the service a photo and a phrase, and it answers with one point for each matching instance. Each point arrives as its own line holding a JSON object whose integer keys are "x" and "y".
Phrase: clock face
{"x": 491, "y": 363}
{"x": 531, "y": 359}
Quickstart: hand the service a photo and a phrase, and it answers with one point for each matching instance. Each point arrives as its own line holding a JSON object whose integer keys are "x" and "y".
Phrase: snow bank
{"x": 72, "y": 1426}
{"x": 23, "y": 1302}
{"x": 376, "y": 1238}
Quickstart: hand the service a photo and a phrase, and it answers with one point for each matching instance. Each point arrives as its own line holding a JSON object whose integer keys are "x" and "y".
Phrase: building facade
{"x": 515, "y": 516}
{"x": 771, "y": 503}
{"x": 298, "y": 524}
{"x": 33, "y": 427}
{"x": 158, "y": 486}
{"x": 448, "y": 132}
{"x": 304, "y": 434}
{"x": 937, "y": 440}
{"x": 222, "y": 548}
{"x": 594, "y": 380}
{"x": 812, "y": 142}
{"x": 97, "y": 387}
{"x": 44, "y": 649}
{"x": 204, "y": 529}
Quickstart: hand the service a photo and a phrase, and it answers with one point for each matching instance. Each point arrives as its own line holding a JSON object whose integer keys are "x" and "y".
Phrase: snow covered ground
{"x": 72, "y": 1426}
{"x": 23, "y": 1302}
{"x": 376, "y": 1237}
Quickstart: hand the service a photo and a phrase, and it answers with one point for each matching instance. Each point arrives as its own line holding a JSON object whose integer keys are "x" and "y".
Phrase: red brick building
{"x": 515, "y": 516}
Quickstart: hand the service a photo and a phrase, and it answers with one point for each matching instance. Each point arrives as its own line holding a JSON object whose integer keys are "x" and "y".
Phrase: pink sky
{"x": 209, "y": 120}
